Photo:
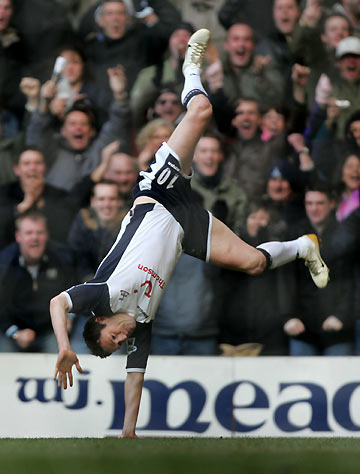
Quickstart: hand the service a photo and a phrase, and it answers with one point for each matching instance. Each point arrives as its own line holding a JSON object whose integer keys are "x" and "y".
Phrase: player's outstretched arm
{"x": 133, "y": 389}
{"x": 67, "y": 358}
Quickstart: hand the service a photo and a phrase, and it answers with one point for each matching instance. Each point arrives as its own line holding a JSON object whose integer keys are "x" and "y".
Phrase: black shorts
{"x": 166, "y": 182}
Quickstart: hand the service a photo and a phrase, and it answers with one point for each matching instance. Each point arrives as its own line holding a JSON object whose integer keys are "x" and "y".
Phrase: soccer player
{"x": 164, "y": 221}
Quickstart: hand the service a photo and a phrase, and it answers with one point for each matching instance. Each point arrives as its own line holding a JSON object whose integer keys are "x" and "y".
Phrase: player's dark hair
{"x": 91, "y": 335}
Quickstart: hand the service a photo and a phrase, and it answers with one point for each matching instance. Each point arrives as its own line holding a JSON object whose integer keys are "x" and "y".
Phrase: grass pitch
{"x": 180, "y": 456}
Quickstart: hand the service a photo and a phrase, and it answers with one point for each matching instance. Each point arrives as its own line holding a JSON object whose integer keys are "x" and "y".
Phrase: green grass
{"x": 180, "y": 456}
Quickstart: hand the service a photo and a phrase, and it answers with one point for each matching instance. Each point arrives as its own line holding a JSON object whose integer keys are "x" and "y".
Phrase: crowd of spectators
{"x": 281, "y": 158}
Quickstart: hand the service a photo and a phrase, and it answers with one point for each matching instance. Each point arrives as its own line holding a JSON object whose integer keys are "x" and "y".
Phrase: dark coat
{"x": 313, "y": 305}
{"x": 24, "y": 300}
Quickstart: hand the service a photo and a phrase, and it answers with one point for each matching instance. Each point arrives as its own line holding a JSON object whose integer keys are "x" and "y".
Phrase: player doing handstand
{"x": 124, "y": 295}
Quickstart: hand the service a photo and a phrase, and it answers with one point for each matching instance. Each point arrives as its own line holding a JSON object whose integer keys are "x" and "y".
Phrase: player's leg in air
{"x": 226, "y": 248}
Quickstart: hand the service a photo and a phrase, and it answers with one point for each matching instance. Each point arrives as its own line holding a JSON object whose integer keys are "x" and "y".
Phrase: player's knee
{"x": 257, "y": 264}
{"x": 201, "y": 107}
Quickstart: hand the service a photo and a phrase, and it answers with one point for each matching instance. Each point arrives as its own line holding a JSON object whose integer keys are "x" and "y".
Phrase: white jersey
{"x": 132, "y": 277}
{"x": 138, "y": 266}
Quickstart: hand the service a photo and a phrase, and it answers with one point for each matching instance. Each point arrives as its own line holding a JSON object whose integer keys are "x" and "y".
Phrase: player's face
{"x": 121, "y": 170}
{"x": 286, "y": 14}
{"x": 118, "y": 328}
{"x": 114, "y": 20}
{"x": 77, "y": 130}
{"x": 208, "y": 156}
{"x": 106, "y": 202}
{"x": 318, "y": 207}
{"x": 239, "y": 45}
{"x": 351, "y": 173}
{"x": 32, "y": 238}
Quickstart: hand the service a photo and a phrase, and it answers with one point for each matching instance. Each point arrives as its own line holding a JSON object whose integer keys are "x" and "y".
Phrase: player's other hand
{"x": 63, "y": 371}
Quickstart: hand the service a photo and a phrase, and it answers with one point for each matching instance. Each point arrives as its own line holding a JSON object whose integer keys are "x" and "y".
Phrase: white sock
{"x": 192, "y": 83}
{"x": 285, "y": 252}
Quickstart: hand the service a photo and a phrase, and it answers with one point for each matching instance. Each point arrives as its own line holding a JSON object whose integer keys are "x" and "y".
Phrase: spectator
{"x": 75, "y": 153}
{"x": 32, "y": 270}
{"x": 315, "y": 41}
{"x": 284, "y": 194}
{"x": 187, "y": 326}
{"x": 253, "y": 308}
{"x": 150, "y": 138}
{"x": 94, "y": 229}
{"x": 350, "y": 9}
{"x": 242, "y": 73}
{"x": 273, "y": 123}
{"x": 167, "y": 106}
{"x": 119, "y": 34}
{"x": 349, "y": 186}
{"x": 323, "y": 322}
{"x": 250, "y": 159}
{"x": 30, "y": 192}
{"x": 328, "y": 153}
{"x": 286, "y": 14}
{"x": 76, "y": 84}
{"x": 220, "y": 194}
{"x": 339, "y": 94}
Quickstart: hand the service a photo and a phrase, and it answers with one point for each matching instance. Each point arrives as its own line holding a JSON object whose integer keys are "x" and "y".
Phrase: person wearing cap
{"x": 315, "y": 40}
{"x": 284, "y": 192}
{"x": 339, "y": 93}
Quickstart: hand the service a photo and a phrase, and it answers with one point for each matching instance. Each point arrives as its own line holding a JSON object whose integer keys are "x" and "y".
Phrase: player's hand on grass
{"x": 66, "y": 359}
{"x": 129, "y": 435}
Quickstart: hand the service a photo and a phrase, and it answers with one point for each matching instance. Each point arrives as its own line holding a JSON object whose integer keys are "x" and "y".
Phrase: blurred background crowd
{"x": 88, "y": 92}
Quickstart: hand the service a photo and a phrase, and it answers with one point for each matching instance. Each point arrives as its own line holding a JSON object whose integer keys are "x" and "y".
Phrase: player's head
{"x": 104, "y": 334}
